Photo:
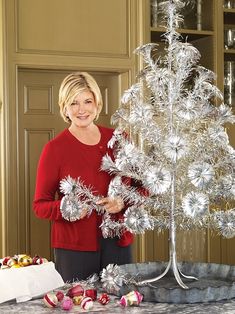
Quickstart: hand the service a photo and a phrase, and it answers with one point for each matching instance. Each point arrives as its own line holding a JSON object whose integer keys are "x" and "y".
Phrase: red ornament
{"x": 104, "y": 299}
{"x": 60, "y": 295}
{"x": 5, "y": 260}
{"x": 92, "y": 293}
{"x": 38, "y": 260}
{"x": 75, "y": 291}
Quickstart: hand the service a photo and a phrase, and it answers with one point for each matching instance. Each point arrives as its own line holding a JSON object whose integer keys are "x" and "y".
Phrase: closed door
{"x": 38, "y": 122}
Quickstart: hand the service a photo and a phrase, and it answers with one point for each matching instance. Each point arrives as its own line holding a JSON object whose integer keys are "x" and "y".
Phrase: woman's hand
{"x": 83, "y": 213}
{"x": 112, "y": 205}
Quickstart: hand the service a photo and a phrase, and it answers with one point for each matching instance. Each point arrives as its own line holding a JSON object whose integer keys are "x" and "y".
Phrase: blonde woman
{"x": 80, "y": 250}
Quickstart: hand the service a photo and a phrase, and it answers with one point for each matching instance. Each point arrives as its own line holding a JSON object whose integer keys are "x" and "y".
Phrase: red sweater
{"x": 63, "y": 156}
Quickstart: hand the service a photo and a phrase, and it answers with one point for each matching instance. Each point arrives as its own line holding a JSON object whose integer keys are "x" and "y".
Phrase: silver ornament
{"x": 175, "y": 147}
{"x": 112, "y": 278}
{"x": 137, "y": 220}
{"x": 78, "y": 197}
{"x": 71, "y": 209}
{"x": 195, "y": 204}
{"x": 200, "y": 174}
{"x": 225, "y": 222}
{"x": 157, "y": 179}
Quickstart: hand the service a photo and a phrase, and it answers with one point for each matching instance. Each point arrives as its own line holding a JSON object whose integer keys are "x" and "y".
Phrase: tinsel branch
{"x": 78, "y": 197}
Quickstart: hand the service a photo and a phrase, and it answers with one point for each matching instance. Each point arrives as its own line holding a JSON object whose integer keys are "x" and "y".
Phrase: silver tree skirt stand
{"x": 215, "y": 282}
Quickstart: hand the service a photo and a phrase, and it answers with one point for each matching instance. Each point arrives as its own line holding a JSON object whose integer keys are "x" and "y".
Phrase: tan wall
{"x": 1, "y": 134}
{"x": 54, "y": 35}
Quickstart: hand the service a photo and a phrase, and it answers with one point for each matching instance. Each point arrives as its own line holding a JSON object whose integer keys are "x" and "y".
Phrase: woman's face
{"x": 83, "y": 110}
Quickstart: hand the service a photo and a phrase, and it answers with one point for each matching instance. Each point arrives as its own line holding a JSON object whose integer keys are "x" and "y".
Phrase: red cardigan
{"x": 63, "y": 156}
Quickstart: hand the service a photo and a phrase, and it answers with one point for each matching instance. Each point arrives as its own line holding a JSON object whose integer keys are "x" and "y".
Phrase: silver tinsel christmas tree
{"x": 182, "y": 160}
{"x": 182, "y": 163}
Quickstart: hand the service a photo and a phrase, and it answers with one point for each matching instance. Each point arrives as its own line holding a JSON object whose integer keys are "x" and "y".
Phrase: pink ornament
{"x": 132, "y": 298}
{"x": 66, "y": 304}
{"x": 104, "y": 299}
{"x": 123, "y": 301}
{"x": 87, "y": 303}
{"x": 50, "y": 299}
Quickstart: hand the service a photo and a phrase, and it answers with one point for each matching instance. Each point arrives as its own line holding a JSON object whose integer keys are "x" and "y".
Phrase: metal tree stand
{"x": 172, "y": 251}
{"x": 215, "y": 282}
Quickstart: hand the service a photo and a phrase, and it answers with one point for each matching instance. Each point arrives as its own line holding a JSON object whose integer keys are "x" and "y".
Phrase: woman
{"x": 79, "y": 247}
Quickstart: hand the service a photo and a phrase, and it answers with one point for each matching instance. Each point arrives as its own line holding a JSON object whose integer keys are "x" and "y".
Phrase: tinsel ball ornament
{"x": 87, "y": 303}
{"x": 157, "y": 180}
{"x": 138, "y": 220}
{"x": 50, "y": 300}
{"x": 200, "y": 174}
{"x": 67, "y": 304}
{"x": 195, "y": 204}
{"x": 112, "y": 278}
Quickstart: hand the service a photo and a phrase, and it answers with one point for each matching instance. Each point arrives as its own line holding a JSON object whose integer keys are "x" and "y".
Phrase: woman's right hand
{"x": 83, "y": 213}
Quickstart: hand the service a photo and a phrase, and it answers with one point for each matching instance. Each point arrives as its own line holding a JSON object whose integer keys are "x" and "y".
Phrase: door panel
{"x": 38, "y": 122}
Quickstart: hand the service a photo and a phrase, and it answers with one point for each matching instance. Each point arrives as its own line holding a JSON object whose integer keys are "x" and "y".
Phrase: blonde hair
{"x": 74, "y": 84}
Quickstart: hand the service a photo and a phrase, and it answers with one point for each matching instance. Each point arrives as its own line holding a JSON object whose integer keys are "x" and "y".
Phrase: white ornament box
{"x": 25, "y": 283}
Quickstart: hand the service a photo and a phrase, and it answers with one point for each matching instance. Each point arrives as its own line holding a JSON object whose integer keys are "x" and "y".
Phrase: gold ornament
{"x": 24, "y": 260}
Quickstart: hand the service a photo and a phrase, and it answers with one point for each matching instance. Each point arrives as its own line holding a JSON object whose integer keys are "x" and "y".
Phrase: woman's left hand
{"x": 112, "y": 205}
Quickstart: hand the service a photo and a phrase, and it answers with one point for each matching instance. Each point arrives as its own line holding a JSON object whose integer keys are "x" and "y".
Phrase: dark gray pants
{"x": 78, "y": 265}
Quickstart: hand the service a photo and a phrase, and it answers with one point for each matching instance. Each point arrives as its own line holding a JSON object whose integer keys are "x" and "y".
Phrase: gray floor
{"x": 37, "y": 306}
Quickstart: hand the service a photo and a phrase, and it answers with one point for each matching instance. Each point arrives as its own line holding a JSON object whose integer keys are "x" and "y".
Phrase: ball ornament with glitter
{"x": 67, "y": 304}
{"x": 87, "y": 303}
{"x": 59, "y": 295}
{"x": 77, "y": 300}
{"x": 104, "y": 299}
{"x": 132, "y": 298}
{"x": 25, "y": 260}
{"x": 50, "y": 300}
{"x": 38, "y": 260}
{"x": 92, "y": 293}
{"x": 75, "y": 291}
